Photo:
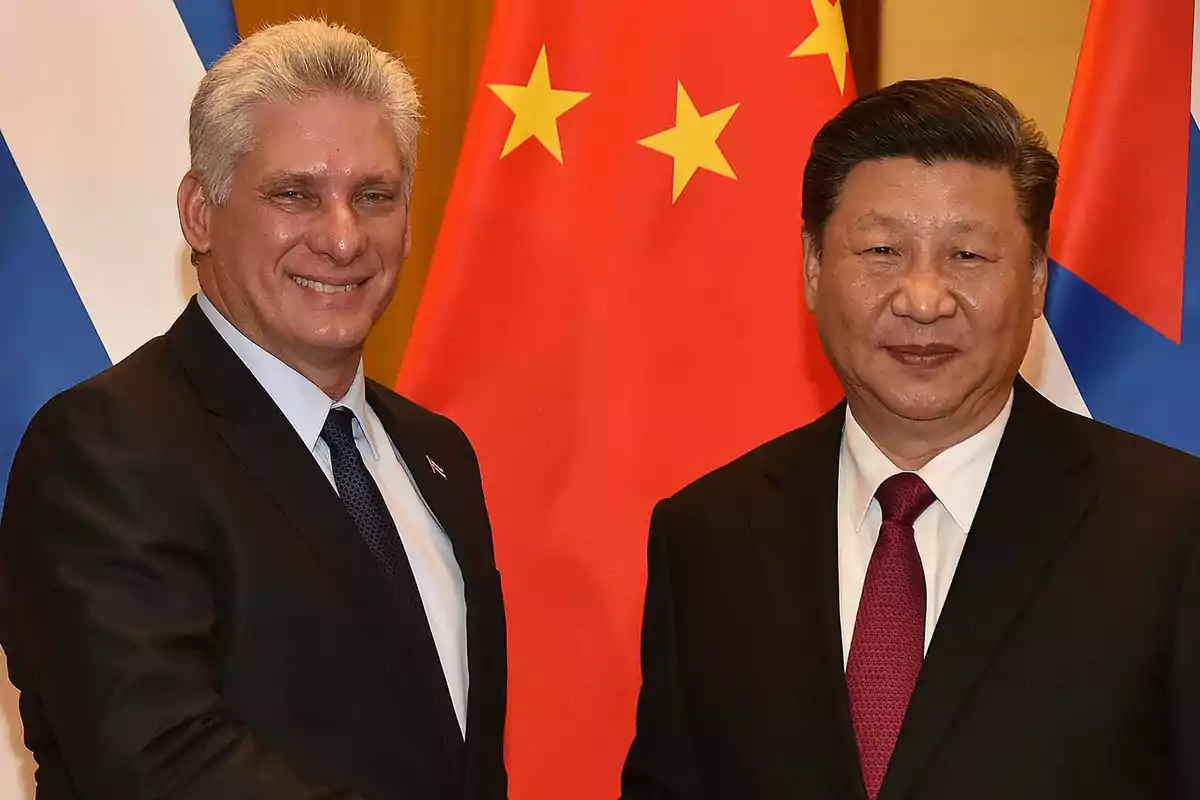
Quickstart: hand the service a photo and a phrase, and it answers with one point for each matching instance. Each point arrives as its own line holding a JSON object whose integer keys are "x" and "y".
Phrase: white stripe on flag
{"x": 93, "y": 104}
{"x": 1046, "y": 368}
{"x": 1196, "y": 62}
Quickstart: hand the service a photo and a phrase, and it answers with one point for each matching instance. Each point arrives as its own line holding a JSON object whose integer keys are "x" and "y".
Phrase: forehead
{"x": 907, "y": 191}
{"x": 326, "y": 133}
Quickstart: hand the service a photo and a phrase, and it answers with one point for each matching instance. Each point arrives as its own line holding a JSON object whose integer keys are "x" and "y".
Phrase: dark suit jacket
{"x": 1065, "y": 662}
{"x": 189, "y": 611}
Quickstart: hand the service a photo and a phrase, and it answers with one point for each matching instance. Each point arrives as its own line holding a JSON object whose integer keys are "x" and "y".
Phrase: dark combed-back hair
{"x": 933, "y": 121}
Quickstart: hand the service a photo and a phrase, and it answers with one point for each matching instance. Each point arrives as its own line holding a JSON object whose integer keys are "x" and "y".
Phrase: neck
{"x": 331, "y": 371}
{"x": 333, "y": 380}
{"x": 912, "y": 443}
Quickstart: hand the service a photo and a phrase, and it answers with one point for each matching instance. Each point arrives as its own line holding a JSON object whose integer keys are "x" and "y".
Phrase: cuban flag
{"x": 1123, "y": 312}
{"x": 93, "y": 141}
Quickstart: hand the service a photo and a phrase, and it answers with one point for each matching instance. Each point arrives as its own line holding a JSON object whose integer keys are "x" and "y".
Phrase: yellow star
{"x": 536, "y": 108}
{"x": 829, "y": 39}
{"x": 693, "y": 141}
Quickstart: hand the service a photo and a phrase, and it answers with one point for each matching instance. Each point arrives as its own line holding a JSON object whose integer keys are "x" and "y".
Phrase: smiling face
{"x": 924, "y": 291}
{"x": 304, "y": 255}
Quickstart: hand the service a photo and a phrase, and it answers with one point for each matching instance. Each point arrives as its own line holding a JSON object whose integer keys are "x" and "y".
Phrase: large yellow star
{"x": 536, "y": 108}
{"x": 693, "y": 141}
{"x": 829, "y": 39}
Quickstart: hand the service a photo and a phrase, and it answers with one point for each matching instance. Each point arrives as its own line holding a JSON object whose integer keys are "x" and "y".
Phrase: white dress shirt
{"x": 957, "y": 477}
{"x": 430, "y": 553}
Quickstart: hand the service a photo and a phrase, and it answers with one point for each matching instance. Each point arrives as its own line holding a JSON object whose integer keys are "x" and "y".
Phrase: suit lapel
{"x": 435, "y": 470}
{"x": 1037, "y": 495}
{"x": 795, "y": 533}
{"x": 450, "y": 493}
{"x": 259, "y": 435}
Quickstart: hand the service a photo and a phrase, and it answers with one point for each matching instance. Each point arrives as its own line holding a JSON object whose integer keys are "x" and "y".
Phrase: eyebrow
{"x": 874, "y": 218}
{"x": 894, "y": 223}
{"x": 313, "y": 176}
{"x": 974, "y": 226}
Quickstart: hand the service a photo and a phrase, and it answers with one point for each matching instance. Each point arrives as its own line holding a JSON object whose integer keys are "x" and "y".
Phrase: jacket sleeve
{"x": 109, "y": 619}
{"x": 661, "y": 764}
{"x": 1186, "y": 681}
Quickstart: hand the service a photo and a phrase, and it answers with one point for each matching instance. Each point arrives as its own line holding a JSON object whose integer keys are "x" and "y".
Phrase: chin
{"x": 920, "y": 404}
{"x": 344, "y": 341}
{"x": 337, "y": 338}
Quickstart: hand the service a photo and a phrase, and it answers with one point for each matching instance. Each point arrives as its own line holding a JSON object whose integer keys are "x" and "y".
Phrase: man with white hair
{"x": 230, "y": 566}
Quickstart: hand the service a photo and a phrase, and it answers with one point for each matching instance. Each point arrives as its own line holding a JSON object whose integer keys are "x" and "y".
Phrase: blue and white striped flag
{"x": 93, "y": 141}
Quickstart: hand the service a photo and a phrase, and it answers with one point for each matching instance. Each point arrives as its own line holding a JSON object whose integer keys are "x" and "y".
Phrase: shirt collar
{"x": 301, "y": 401}
{"x": 957, "y": 475}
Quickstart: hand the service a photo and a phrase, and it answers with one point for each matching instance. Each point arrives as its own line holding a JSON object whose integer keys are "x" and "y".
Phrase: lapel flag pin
{"x": 433, "y": 465}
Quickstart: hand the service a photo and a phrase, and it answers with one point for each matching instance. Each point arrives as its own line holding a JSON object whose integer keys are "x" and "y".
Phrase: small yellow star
{"x": 829, "y": 39}
{"x": 693, "y": 141}
{"x": 536, "y": 108}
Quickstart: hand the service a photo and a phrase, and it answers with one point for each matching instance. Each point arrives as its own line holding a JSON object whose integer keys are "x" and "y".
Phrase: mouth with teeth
{"x": 326, "y": 288}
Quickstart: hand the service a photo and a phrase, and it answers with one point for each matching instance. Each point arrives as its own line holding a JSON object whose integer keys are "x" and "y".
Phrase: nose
{"x": 924, "y": 295}
{"x": 337, "y": 233}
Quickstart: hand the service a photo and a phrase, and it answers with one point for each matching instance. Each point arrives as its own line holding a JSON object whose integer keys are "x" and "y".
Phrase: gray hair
{"x": 288, "y": 63}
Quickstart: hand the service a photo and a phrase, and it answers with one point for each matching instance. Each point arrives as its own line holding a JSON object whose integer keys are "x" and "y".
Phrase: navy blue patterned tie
{"x": 362, "y": 499}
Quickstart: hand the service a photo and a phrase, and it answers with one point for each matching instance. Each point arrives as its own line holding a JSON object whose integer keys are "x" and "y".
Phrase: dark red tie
{"x": 889, "y": 631}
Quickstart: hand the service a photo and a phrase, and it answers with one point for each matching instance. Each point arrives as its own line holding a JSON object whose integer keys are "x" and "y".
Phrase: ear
{"x": 812, "y": 270}
{"x": 1041, "y": 275}
{"x": 407, "y": 233}
{"x": 195, "y": 212}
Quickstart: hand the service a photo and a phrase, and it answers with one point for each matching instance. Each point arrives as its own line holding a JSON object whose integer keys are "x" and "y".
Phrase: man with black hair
{"x": 945, "y": 588}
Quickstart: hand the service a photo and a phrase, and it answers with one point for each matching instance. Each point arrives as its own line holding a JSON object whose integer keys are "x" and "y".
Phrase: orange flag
{"x": 615, "y": 308}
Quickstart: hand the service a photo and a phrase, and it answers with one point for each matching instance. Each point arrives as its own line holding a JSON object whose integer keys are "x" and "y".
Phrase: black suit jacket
{"x": 190, "y": 613}
{"x": 1065, "y": 662}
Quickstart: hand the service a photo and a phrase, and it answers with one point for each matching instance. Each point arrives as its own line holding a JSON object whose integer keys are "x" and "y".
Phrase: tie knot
{"x": 338, "y": 431}
{"x": 903, "y": 497}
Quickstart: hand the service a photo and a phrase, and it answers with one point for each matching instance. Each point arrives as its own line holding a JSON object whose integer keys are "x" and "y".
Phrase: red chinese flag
{"x": 615, "y": 307}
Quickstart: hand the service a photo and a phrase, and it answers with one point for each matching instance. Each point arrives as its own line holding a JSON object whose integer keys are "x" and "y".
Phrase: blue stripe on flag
{"x": 47, "y": 340}
{"x": 211, "y": 25}
{"x": 1130, "y": 375}
{"x": 1191, "y": 256}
